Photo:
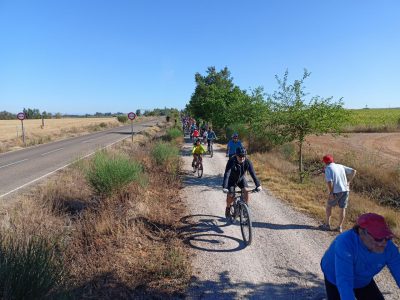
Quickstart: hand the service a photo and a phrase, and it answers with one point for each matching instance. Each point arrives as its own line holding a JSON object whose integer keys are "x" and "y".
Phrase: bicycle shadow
{"x": 283, "y": 226}
{"x": 205, "y": 233}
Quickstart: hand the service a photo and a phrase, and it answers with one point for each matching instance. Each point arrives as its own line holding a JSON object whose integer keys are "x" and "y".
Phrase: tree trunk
{"x": 301, "y": 168}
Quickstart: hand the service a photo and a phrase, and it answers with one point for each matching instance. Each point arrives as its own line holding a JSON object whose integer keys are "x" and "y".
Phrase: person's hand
{"x": 226, "y": 191}
{"x": 259, "y": 189}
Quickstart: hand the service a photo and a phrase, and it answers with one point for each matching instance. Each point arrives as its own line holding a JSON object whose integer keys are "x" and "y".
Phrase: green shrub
{"x": 29, "y": 268}
{"x": 122, "y": 118}
{"x": 164, "y": 153}
{"x": 108, "y": 174}
{"x": 103, "y": 125}
{"x": 173, "y": 133}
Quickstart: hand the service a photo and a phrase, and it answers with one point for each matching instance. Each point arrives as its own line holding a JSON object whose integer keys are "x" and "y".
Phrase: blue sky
{"x": 84, "y": 56}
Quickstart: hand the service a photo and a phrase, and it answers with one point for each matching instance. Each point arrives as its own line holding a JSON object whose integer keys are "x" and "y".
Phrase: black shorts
{"x": 241, "y": 184}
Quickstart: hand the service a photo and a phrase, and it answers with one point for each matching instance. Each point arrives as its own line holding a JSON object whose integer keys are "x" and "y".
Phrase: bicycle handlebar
{"x": 239, "y": 191}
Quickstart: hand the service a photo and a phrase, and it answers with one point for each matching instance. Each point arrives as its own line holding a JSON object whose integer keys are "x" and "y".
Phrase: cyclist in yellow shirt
{"x": 197, "y": 151}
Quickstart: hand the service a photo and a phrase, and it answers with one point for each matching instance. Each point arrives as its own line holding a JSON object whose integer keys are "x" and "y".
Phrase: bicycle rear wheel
{"x": 211, "y": 151}
{"x": 245, "y": 223}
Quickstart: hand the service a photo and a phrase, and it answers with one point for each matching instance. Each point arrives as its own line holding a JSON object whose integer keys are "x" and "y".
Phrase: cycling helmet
{"x": 197, "y": 140}
{"x": 235, "y": 135}
{"x": 241, "y": 151}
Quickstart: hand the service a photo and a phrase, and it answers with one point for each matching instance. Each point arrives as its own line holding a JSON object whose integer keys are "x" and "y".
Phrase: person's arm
{"x": 253, "y": 174}
{"x": 193, "y": 150}
{"x": 352, "y": 175}
{"x": 393, "y": 261}
{"x": 227, "y": 173}
{"x": 344, "y": 262}
{"x": 227, "y": 148}
{"x": 329, "y": 180}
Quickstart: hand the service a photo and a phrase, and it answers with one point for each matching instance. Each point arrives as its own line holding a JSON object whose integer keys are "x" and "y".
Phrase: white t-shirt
{"x": 337, "y": 174}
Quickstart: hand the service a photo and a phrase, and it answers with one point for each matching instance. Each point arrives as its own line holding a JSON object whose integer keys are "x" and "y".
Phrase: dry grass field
{"x": 376, "y": 187}
{"x": 122, "y": 246}
{"x": 54, "y": 129}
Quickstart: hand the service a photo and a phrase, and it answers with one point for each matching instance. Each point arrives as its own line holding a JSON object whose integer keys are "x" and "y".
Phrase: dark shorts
{"x": 368, "y": 292}
{"x": 241, "y": 184}
{"x": 341, "y": 199}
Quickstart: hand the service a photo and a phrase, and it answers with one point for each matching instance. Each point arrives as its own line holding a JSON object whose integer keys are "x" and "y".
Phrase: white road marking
{"x": 45, "y": 175}
{"x": 14, "y": 163}
{"x": 51, "y": 151}
{"x": 88, "y": 141}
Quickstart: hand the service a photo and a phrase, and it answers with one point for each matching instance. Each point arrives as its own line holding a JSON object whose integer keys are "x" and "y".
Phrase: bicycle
{"x": 240, "y": 209}
{"x": 211, "y": 148}
{"x": 198, "y": 167}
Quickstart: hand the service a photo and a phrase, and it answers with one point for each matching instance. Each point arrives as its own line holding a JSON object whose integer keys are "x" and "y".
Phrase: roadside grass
{"x": 109, "y": 174}
{"x": 279, "y": 175}
{"x": 124, "y": 245}
{"x": 166, "y": 155}
{"x": 30, "y": 267}
{"x": 174, "y": 133}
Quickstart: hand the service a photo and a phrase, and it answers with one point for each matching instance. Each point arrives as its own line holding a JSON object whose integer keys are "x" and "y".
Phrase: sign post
{"x": 21, "y": 116}
{"x": 132, "y": 116}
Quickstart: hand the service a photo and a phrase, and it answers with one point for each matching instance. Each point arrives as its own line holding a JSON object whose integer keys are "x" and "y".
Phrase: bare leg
{"x": 328, "y": 214}
{"x": 246, "y": 197}
{"x": 229, "y": 200}
{"x": 342, "y": 214}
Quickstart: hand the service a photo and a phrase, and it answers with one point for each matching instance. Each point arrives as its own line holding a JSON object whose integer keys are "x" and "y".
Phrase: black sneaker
{"x": 227, "y": 212}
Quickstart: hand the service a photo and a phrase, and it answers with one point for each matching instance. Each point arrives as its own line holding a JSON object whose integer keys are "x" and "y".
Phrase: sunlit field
{"x": 372, "y": 120}
{"x": 53, "y": 129}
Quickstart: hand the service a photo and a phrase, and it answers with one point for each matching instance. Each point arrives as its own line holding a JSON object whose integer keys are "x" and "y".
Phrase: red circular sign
{"x": 131, "y": 116}
{"x": 21, "y": 116}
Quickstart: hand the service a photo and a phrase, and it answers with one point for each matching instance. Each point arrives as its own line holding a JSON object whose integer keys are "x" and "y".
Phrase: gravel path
{"x": 281, "y": 263}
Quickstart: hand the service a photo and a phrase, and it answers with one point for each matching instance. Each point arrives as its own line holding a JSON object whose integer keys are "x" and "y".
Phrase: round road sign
{"x": 131, "y": 116}
{"x": 21, "y": 116}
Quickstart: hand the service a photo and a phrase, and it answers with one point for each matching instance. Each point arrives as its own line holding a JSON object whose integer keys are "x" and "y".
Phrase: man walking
{"x": 338, "y": 187}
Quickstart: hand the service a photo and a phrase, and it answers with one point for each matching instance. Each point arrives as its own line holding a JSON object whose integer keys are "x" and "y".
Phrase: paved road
{"x": 24, "y": 167}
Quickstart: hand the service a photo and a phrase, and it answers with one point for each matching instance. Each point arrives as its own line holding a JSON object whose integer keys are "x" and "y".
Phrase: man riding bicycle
{"x": 234, "y": 175}
{"x": 197, "y": 152}
{"x": 210, "y": 137}
{"x": 233, "y": 144}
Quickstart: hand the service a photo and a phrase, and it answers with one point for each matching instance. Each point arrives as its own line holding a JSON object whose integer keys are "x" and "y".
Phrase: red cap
{"x": 327, "y": 159}
{"x": 375, "y": 225}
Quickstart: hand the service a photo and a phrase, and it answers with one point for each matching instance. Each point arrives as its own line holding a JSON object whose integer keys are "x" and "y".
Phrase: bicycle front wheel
{"x": 211, "y": 151}
{"x": 245, "y": 224}
{"x": 200, "y": 171}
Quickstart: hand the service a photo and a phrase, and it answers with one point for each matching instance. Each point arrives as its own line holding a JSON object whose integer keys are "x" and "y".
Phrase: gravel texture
{"x": 281, "y": 263}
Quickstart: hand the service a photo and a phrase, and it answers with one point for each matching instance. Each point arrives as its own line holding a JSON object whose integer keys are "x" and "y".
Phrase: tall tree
{"x": 294, "y": 117}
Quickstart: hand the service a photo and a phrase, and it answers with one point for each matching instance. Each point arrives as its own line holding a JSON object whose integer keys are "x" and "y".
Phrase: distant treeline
{"x": 34, "y": 113}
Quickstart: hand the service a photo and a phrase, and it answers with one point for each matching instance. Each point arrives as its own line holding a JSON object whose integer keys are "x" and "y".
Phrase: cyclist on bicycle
{"x": 233, "y": 144}
{"x": 197, "y": 152}
{"x": 234, "y": 175}
{"x": 210, "y": 137}
{"x": 196, "y": 134}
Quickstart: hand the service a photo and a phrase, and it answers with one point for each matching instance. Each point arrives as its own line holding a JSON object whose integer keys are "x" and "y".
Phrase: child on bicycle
{"x": 197, "y": 151}
{"x": 234, "y": 175}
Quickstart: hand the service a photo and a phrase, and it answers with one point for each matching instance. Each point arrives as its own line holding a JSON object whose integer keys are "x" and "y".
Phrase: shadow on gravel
{"x": 204, "y": 232}
{"x": 224, "y": 288}
{"x": 209, "y": 182}
{"x": 283, "y": 226}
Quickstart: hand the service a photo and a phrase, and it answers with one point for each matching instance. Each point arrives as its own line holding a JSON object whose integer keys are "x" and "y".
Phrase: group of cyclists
{"x": 354, "y": 257}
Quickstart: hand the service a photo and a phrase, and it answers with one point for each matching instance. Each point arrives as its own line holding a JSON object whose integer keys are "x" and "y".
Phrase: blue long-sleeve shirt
{"x": 232, "y": 147}
{"x": 349, "y": 264}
